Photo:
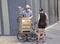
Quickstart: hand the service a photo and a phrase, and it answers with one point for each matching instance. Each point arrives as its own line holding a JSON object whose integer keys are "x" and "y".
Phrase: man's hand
{"x": 21, "y": 16}
{"x": 31, "y": 17}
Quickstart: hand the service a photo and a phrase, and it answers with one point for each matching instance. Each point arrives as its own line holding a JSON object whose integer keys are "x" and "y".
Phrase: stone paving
{"x": 52, "y": 37}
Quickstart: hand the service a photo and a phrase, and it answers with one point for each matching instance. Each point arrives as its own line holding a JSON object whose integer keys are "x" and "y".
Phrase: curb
{"x": 51, "y": 26}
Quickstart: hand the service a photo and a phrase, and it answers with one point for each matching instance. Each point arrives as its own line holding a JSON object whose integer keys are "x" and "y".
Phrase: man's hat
{"x": 27, "y": 6}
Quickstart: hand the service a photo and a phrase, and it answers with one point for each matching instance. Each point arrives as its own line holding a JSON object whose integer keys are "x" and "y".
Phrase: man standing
{"x": 27, "y": 13}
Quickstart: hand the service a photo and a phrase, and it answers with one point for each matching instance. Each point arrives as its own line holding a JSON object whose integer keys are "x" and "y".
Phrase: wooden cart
{"x": 25, "y": 26}
{"x": 25, "y": 29}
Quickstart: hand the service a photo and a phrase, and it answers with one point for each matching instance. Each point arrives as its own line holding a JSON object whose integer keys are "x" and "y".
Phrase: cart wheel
{"x": 35, "y": 35}
{"x": 31, "y": 37}
{"x": 21, "y": 37}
